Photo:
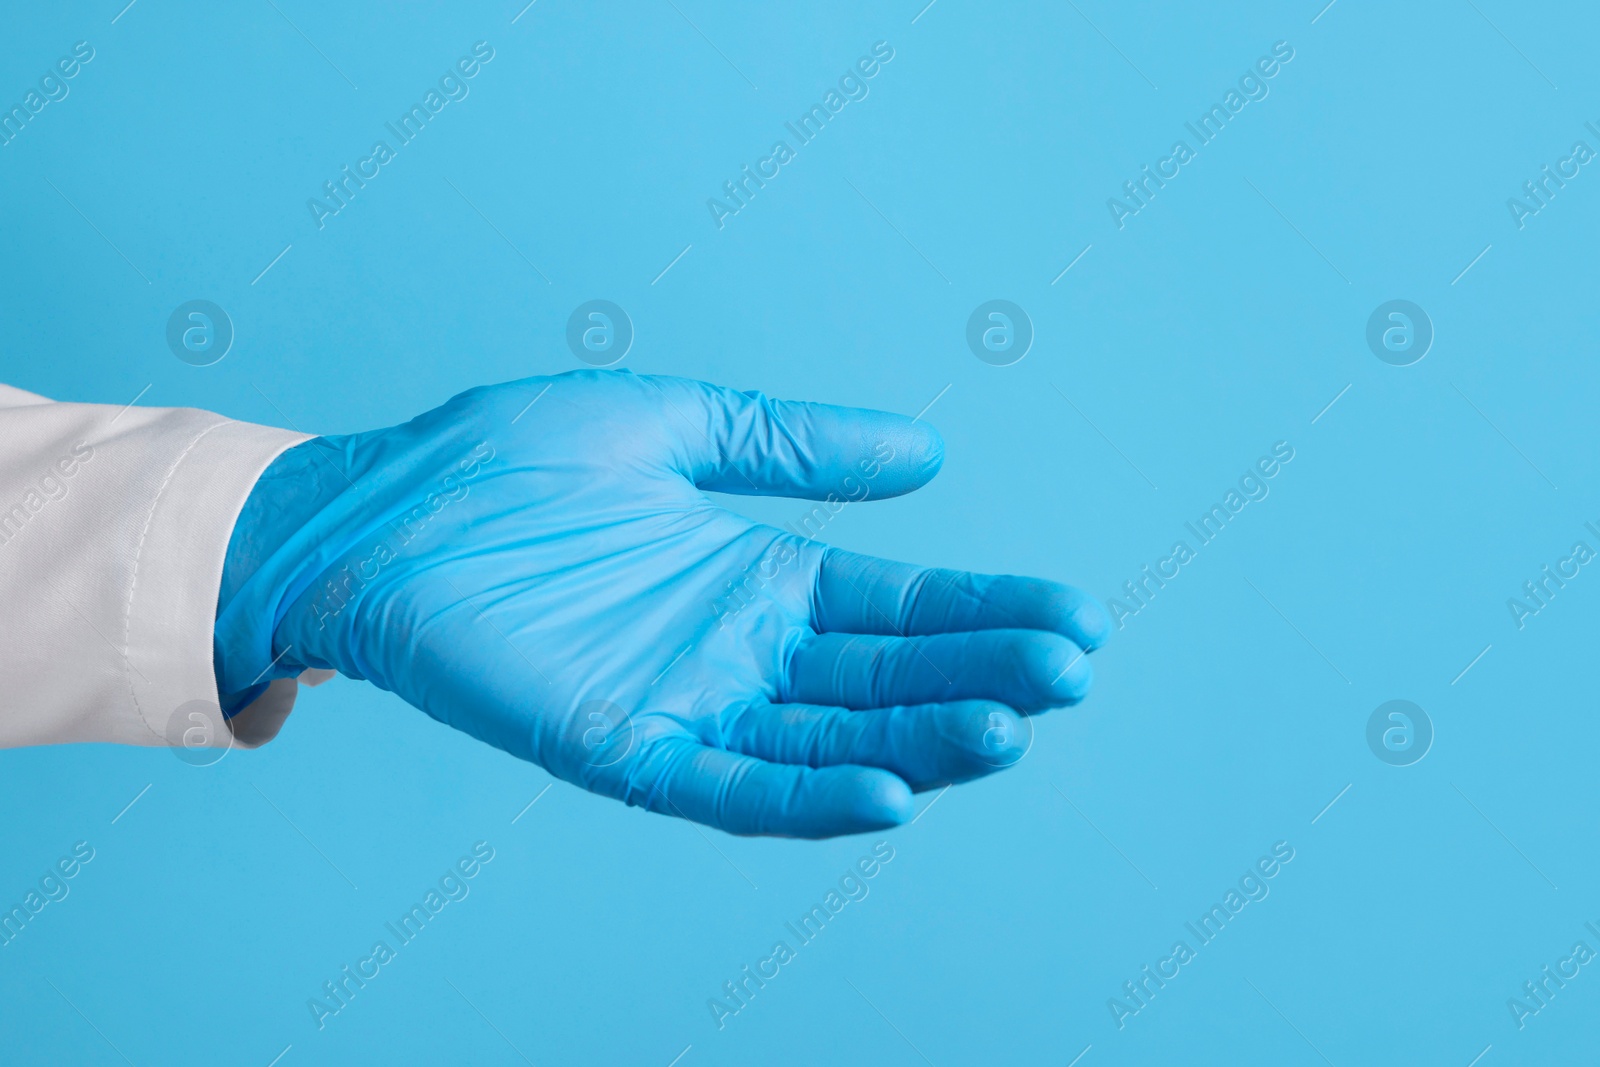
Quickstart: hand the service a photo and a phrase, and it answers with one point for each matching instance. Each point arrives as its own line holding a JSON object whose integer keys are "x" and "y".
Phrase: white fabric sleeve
{"x": 113, "y": 527}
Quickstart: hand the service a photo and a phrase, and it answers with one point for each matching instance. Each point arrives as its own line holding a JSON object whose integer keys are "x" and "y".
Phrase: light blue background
{"x": 1213, "y": 325}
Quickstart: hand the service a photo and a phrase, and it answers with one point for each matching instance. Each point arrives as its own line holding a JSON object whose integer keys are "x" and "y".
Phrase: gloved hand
{"x": 534, "y": 563}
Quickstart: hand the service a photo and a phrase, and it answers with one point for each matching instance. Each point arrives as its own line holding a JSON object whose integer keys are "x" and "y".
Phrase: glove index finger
{"x": 865, "y": 595}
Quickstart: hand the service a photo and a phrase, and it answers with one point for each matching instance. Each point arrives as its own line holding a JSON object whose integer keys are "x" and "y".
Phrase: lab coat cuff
{"x": 172, "y": 602}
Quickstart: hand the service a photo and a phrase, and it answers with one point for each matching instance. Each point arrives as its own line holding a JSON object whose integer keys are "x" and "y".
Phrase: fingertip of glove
{"x": 903, "y": 455}
{"x": 878, "y": 801}
{"x": 927, "y": 450}
{"x": 1092, "y": 623}
{"x": 1055, "y": 671}
{"x": 995, "y": 737}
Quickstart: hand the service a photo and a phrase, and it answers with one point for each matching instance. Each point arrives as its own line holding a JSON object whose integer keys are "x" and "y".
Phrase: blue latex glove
{"x": 534, "y": 563}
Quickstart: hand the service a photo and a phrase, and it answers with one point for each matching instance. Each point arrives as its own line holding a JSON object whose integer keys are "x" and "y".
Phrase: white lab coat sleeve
{"x": 113, "y": 527}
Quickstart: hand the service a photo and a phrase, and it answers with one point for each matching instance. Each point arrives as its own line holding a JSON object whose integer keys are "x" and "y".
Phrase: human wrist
{"x": 294, "y": 488}
{"x": 300, "y": 564}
